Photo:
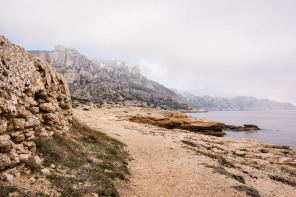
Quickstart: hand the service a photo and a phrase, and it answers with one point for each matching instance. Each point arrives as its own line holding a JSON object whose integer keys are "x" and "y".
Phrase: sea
{"x": 277, "y": 127}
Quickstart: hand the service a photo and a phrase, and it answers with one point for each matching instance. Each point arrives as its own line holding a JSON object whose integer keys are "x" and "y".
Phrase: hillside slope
{"x": 110, "y": 81}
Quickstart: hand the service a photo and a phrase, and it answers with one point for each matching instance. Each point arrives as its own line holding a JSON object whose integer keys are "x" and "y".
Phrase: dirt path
{"x": 182, "y": 163}
{"x": 161, "y": 166}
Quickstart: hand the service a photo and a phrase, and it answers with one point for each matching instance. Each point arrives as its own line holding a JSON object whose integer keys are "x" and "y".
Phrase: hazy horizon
{"x": 221, "y": 48}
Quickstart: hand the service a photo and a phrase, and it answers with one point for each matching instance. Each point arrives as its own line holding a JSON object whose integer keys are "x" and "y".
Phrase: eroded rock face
{"x": 110, "y": 81}
{"x": 34, "y": 100}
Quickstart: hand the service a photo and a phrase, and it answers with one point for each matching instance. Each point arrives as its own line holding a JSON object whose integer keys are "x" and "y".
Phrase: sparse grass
{"x": 6, "y": 190}
{"x": 39, "y": 194}
{"x": 4, "y": 73}
{"x": 60, "y": 150}
{"x": 108, "y": 161}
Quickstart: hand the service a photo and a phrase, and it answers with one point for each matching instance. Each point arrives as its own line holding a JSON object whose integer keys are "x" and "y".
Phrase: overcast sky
{"x": 217, "y": 47}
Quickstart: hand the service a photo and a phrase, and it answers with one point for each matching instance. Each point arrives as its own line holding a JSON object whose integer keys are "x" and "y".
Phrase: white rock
{"x": 45, "y": 171}
{"x": 7, "y": 177}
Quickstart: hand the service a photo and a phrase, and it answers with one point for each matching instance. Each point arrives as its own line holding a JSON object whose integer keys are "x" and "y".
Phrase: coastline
{"x": 177, "y": 162}
{"x": 277, "y": 127}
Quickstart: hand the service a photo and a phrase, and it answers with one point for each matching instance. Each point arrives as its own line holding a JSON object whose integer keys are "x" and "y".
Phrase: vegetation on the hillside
{"x": 92, "y": 159}
{"x": 86, "y": 162}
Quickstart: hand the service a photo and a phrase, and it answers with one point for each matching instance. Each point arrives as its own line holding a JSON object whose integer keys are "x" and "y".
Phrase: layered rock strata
{"x": 34, "y": 101}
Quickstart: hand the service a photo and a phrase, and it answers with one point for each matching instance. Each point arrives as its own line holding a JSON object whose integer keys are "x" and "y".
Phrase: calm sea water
{"x": 278, "y": 127}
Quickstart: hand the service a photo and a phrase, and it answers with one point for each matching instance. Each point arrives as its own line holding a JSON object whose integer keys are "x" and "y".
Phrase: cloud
{"x": 154, "y": 70}
{"x": 235, "y": 47}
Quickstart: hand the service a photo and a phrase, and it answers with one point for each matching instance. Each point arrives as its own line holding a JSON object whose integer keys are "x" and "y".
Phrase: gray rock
{"x": 109, "y": 81}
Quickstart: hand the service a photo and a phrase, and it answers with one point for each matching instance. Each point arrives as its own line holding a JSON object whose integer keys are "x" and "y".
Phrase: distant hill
{"x": 110, "y": 81}
{"x": 241, "y": 103}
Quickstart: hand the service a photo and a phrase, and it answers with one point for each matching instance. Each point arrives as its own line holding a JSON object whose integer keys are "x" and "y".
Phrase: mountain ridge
{"x": 239, "y": 103}
{"x": 110, "y": 81}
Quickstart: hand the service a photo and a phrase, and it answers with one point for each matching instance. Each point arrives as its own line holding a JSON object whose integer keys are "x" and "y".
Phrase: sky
{"x": 214, "y": 47}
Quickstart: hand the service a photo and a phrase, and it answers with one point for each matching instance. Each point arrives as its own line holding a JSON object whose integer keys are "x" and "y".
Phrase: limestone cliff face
{"x": 34, "y": 101}
{"x": 111, "y": 81}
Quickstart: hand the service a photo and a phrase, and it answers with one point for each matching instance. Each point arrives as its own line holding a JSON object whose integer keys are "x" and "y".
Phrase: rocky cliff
{"x": 241, "y": 103}
{"x": 110, "y": 81}
{"x": 34, "y": 101}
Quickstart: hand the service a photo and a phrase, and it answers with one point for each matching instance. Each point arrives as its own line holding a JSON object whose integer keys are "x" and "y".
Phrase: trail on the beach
{"x": 163, "y": 165}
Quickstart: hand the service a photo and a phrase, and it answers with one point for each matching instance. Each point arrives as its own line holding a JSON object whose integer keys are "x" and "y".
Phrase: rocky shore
{"x": 178, "y": 120}
{"x": 177, "y": 162}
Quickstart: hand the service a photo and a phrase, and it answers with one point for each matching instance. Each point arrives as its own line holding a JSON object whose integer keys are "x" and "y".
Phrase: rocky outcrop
{"x": 110, "y": 81}
{"x": 245, "y": 127}
{"x": 34, "y": 101}
{"x": 241, "y": 103}
{"x": 178, "y": 120}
